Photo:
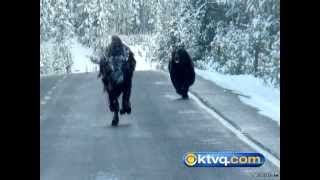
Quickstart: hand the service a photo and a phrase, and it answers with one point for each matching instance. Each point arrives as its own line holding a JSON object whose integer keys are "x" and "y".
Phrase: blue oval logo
{"x": 223, "y": 159}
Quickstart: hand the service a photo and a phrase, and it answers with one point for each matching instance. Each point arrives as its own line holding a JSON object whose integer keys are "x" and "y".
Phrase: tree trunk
{"x": 256, "y": 61}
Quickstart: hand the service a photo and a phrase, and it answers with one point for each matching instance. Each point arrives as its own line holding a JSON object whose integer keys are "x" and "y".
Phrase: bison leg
{"x": 115, "y": 119}
{"x": 126, "y": 105}
{"x": 111, "y": 104}
{"x": 113, "y": 101}
{"x": 114, "y": 107}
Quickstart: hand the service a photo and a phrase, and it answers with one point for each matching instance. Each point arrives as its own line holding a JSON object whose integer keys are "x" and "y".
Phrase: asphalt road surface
{"x": 77, "y": 141}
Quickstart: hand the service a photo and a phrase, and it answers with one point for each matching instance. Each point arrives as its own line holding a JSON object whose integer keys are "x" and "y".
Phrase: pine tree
{"x": 45, "y": 61}
{"x": 235, "y": 37}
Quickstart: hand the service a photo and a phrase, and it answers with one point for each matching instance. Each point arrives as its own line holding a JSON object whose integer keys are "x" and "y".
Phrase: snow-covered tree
{"x": 61, "y": 57}
{"x": 45, "y": 61}
{"x": 46, "y": 19}
{"x": 61, "y": 22}
{"x": 231, "y": 36}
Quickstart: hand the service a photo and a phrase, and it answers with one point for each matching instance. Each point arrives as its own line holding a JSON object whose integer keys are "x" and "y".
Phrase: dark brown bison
{"x": 116, "y": 69}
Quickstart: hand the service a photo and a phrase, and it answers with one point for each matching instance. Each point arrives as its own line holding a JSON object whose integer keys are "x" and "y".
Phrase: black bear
{"x": 181, "y": 69}
{"x": 116, "y": 69}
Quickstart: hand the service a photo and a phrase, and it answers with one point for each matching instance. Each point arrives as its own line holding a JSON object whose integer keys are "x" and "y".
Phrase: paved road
{"x": 48, "y": 83}
{"x": 78, "y": 143}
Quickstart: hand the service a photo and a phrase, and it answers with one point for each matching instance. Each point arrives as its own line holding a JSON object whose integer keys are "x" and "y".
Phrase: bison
{"x": 116, "y": 69}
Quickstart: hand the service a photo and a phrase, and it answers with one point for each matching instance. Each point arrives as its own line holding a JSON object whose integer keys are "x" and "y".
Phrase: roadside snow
{"x": 140, "y": 56}
{"x": 82, "y": 62}
{"x": 266, "y": 99}
{"x": 80, "y": 57}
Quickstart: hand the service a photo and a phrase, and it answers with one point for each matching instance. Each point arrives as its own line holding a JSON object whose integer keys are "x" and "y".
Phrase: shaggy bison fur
{"x": 116, "y": 71}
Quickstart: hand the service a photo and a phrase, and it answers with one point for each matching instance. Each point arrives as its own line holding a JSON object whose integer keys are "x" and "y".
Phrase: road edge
{"x": 233, "y": 127}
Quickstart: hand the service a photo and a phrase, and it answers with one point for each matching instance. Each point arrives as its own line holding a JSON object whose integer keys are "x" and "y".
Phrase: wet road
{"x": 78, "y": 143}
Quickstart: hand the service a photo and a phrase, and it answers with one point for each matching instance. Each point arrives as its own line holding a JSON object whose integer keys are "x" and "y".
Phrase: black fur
{"x": 181, "y": 71}
{"x": 116, "y": 71}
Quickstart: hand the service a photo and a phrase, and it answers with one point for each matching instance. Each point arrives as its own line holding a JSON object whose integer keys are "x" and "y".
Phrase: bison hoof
{"x": 129, "y": 110}
{"x": 126, "y": 108}
{"x": 115, "y": 122}
{"x": 122, "y": 111}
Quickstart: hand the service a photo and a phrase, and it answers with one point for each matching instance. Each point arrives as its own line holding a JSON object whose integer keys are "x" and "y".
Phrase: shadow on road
{"x": 119, "y": 126}
{"x": 181, "y": 99}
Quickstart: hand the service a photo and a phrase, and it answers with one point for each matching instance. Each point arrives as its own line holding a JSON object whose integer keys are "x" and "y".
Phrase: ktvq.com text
{"x": 223, "y": 159}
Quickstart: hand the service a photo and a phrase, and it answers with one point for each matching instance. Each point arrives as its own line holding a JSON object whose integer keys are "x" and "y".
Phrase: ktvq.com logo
{"x": 223, "y": 159}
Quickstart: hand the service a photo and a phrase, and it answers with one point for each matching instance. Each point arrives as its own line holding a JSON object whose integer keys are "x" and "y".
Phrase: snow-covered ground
{"x": 142, "y": 62}
{"x": 261, "y": 96}
{"x": 80, "y": 57}
{"x": 82, "y": 63}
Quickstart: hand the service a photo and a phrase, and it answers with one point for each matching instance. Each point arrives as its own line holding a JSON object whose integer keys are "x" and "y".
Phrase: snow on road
{"x": 261, "y": 96}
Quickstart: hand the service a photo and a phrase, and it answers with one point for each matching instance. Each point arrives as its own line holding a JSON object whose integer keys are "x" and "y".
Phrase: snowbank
{"x": 82, "y": 62}
{"x": 266, "y": 99}
{"x": 80, "y": 57}
{"x": 142, "y": 62}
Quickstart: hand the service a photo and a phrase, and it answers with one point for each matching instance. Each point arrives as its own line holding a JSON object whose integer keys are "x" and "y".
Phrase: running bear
{"x": 181, "y": 69}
